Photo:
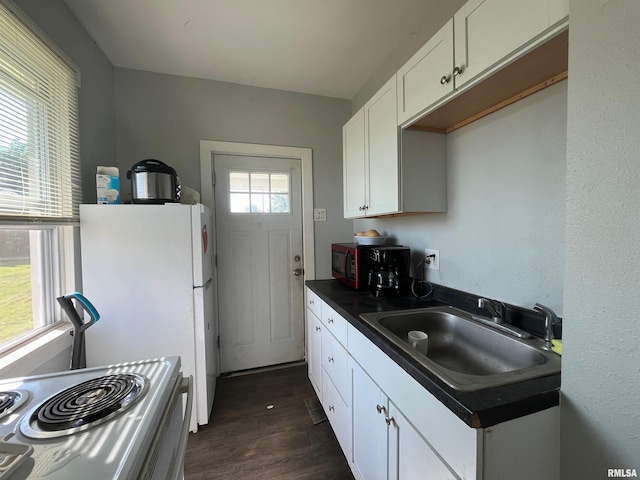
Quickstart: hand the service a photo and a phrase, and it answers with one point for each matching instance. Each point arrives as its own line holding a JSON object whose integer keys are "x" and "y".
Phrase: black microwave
{"x": 350, "y": 264}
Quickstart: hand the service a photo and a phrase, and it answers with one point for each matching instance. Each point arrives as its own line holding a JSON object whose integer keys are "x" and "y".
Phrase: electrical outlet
{"x": 432, "y": 263}
{"x": 319, "y": 214}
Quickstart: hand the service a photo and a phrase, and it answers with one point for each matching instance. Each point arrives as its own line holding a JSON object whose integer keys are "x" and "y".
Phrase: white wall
{"x": 503, "y": 233}
{"x": 166, "y": 116}
{"x": 601, "y": 361}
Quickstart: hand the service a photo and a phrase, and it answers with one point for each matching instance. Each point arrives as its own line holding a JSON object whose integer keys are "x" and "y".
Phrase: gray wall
{"x": 600, "y": 366}
{"x": 503, "y": 233}
{"x": 96, "y": 93}
{"x": 165, "y": 117}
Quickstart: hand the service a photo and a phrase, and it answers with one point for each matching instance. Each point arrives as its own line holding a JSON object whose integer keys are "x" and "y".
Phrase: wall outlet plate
{"x": 432, "y": 263}
{"x": 319, "y": 214}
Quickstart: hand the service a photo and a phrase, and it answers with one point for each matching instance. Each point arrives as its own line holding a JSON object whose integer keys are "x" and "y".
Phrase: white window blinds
{"x": 39, "y": 145}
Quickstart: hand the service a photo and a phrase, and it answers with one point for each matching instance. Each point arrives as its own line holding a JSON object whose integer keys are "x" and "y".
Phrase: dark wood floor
{"x": 246, "y": 440}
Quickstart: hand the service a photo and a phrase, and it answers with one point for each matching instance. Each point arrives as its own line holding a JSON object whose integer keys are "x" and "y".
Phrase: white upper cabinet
{"x": 483, "y": 37}
{"x": 386, "y": 171}
{"x": 370, "y": 157}
{"x": 427, "y": 76}
{"x": 486, "y": 31}
{"x": 354, "y": 159}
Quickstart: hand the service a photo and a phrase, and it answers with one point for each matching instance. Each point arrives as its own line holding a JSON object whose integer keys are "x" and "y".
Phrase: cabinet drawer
{"x": 335, "y": 323}
{"x": 335, "y": 363}
{"x": 314, "y": 303}
{"x": 338, "y": 415}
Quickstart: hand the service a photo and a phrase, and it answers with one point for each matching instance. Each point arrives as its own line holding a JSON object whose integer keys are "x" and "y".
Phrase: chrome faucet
{"x": 550, "y": 319}
{"x": 495, "y": 309}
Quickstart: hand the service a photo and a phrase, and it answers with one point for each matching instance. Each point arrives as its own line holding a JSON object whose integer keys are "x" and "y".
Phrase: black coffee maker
{"x": 389, "y": 273}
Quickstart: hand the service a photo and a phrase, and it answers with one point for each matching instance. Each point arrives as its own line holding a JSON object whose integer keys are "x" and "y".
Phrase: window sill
{"x": 34, "y": 357}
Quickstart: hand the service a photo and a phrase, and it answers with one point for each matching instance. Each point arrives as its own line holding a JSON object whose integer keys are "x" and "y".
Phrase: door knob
{"x": 297, "y": 258}
{"x": 297, "y": 272}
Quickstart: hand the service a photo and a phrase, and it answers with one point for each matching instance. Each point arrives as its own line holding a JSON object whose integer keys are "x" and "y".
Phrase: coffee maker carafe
{"x": 389, "y": 273}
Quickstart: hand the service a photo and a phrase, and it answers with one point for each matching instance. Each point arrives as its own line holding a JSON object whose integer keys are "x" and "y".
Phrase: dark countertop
{"x": 477, "y": 409}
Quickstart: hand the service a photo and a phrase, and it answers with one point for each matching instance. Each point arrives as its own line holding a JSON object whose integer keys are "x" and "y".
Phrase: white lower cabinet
{"x": 390, "y": 427}
{"x": 385, "y": 444}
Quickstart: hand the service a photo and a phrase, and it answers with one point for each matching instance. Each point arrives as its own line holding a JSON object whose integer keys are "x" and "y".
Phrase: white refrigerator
{"x": 148, "y": 271}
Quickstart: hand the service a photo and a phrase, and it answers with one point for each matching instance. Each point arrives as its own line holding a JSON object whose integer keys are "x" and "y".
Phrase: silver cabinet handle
{"x": 457, "y": 71}
{"x": 330, "y": 359}
{"x": 317, "y": 329}
{"x": 311, "y": 302}
{"x": 330, "y": 320}
{"x": 331, "y": 409}
{"x": 297, "y": 272}
{"x": 389, "y": 420}
{"x": 445, "y": 79}
{"x": 381, "y": 409}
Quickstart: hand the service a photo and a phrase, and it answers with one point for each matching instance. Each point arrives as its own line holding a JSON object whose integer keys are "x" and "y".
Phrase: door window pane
{"x": 239, "y": 182}
{"x": 259, "y": 182}
{"x": 279, "y": 183}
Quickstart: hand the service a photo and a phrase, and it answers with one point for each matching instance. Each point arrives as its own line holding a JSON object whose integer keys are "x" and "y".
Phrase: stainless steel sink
{"x": 464, "y": 353}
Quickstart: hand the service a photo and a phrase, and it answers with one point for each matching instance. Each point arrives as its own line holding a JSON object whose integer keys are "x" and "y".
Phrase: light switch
{"x": 319, "y": 214}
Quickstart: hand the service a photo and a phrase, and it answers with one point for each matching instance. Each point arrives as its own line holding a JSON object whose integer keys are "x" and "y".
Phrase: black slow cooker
{"x": 153, "y": 181}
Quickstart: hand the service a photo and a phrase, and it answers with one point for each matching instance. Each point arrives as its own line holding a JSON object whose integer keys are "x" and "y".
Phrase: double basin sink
{"x": 466, "y": 354}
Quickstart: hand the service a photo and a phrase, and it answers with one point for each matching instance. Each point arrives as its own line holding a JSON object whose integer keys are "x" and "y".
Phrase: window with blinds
{"x": 39, "y": 151}
{"x": 39, "y": 179}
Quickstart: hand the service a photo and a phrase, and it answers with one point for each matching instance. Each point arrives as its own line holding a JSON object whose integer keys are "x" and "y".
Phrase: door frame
{"x": 209, "y": 148}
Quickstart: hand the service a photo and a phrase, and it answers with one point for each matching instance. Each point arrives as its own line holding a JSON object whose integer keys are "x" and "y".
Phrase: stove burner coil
{"x": 84, "y": 405}
{"x": 11, "y": 400}
{"x": 7, "y": 400}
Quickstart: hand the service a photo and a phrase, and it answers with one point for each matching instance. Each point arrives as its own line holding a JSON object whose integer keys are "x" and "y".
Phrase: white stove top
{"x": 109, "y": 448}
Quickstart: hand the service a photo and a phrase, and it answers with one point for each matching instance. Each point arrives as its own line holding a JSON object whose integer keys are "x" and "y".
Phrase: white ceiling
{"x": 322, "y": 47}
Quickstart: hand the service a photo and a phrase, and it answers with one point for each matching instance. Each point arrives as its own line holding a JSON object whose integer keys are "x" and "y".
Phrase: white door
{"x": 259, "y": 252}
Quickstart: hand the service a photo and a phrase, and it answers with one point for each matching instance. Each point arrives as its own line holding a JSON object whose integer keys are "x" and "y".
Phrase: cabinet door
{"x": 410, "y": 456}
{"x": 353, "y": 166}
{"x": 314, "y": 331}
{"x": 383, "y": 166}
{"x": 427, "y": 76}
{"x": 369, "y": 453}
{"x": 486, "y": 31}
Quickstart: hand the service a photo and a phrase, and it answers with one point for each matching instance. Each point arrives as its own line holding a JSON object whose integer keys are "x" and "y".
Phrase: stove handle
{"x": 186, "y": 386}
